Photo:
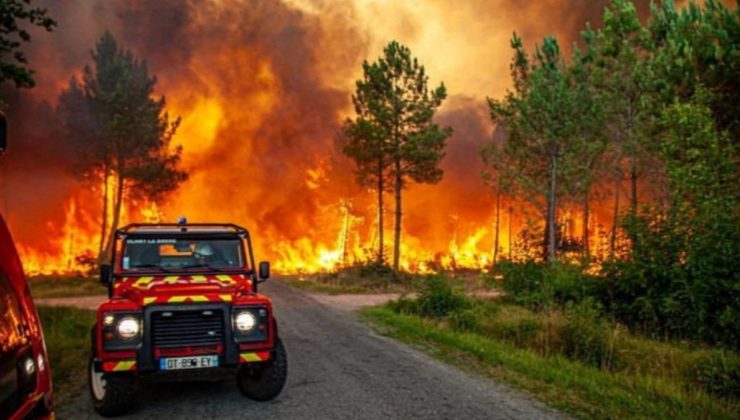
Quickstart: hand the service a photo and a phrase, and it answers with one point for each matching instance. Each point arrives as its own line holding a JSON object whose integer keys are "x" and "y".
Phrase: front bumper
{"x": 230, "y": 353}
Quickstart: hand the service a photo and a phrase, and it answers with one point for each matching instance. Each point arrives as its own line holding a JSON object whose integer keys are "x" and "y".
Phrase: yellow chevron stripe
{"x": 199, "y": 279}
{"x": 223, "y": 277}
{"x": 191, "y": 298}
{"x": 225, "y": 298}
{"x": 143, "y": 281}
{"x": 170, "y": 279}
{"x": 148, "y": 300}
{"x": 250, "y": 357}
{"x": 124, "y": 365}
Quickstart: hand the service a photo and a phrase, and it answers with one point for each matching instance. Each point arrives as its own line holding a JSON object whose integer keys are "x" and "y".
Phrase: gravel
{"x": 338, "y": 369}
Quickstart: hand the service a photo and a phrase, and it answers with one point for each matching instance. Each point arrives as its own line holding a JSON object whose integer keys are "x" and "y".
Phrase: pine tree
{"x": 120, "y": 130}
{"x": 394, "y": 128}
{"x": 13, "y": 63}
{"x": 549, "y": 117}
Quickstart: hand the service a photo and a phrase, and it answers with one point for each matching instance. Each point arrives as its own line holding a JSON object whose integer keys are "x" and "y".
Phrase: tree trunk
{"x": 498, "y": 212}
{"x": 380, "y": 212}
{"x": 104, "y": 216}
{"x": 345, "y": 230}
{"x": 586, "y": 216}
{"x": 397, "y": 242}
{"x": 615, "y": 221}
{"x": 551, "y": 209}
{"x": 633, "y": 160}
{"x": 116, "y": 210}
{"x": 633, "y": 181}
{"x": 511, "y": 210}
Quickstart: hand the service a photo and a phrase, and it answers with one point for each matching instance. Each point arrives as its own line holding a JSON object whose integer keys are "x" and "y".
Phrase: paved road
{"x": 338, "y": 369}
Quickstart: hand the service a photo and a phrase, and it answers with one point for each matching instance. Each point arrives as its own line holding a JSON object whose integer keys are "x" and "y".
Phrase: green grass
{"x": 571, "y": 386}
{"x": 53, "y": 286}
{"x": 67, "y": 335}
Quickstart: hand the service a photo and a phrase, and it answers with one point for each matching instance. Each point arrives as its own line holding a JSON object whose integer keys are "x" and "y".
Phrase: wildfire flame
{"x": 263, "y": 88}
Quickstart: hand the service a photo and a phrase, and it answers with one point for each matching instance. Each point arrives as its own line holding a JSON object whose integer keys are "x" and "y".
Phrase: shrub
{"x": 437, "y": 299}
{"x": 523, "y": 332}
{"x": 517, "y": 325}
{"x": 464, "y": 320}
{"x": 404, "y": 306}
{"x": 522, "y": 282}
{"x": 718, "y": 372}
{"x": 586, "y": 335}
{"x": 537, "y": 285}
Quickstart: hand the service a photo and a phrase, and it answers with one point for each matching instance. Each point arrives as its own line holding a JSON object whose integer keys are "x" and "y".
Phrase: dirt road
{"x": 338, "y": 369}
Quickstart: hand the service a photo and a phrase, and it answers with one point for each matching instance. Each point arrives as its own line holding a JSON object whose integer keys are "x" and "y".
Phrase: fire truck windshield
{"x": 168, "y": 254}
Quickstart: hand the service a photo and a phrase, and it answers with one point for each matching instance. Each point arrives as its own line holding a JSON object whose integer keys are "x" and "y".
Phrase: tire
{"x": 111, "y": 394}
{"x": 264, "y": 381}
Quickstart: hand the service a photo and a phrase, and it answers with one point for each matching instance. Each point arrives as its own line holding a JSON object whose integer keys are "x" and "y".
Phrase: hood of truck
{"x": 180, "y": 288}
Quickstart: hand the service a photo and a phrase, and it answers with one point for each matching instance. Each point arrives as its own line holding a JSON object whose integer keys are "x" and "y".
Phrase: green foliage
{"x": 537, "y": 285}
{"x": 682, "y": 276}
{"x": 586, "y": 335}
{"x": 437, "y": 298}
{"x": 514, "y": 324}
{"x": 464, "y": 320}
{"x": 718, "y": 372}
{"x": 404, "y": 305}
{"x": 551, "y": 119}
{"x": 13, "y": 16}
{"x": 697, "y": 47}
{"x": 653, "y": 103}
{"x": 67, "y": 336}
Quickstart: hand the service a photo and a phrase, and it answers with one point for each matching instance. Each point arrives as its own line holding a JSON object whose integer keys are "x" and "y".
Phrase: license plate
{"x": 195, "y": 362}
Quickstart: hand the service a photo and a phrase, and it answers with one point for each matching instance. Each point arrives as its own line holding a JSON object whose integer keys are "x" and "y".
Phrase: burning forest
{"x": 261, "y": 91}
{"x": 544, "y": 192}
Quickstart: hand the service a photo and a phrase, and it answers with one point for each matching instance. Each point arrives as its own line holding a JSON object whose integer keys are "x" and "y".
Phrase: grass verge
{"x": 573, "y": 387}
{"x": 67, "y": 335}
{"x": 54, "y": 286}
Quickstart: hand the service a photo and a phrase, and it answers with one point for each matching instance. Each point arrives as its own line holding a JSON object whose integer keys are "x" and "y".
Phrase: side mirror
{"x": 105, "y": 272}
{"x": 264, "y": 270}
{"x": 3, "y": 133}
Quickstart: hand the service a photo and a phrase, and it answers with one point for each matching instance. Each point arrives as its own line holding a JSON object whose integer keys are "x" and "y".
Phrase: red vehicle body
{"x": 165, "y": 316}
{"x": 25, "y": 380}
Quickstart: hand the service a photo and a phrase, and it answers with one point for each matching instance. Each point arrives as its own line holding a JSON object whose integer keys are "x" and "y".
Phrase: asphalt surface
{"x": 338, "y": 369}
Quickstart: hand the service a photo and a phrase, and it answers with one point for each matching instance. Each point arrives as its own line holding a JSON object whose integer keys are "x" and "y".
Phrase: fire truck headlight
{"x": 245, "y": 321}
{"x": 128, "y": 328}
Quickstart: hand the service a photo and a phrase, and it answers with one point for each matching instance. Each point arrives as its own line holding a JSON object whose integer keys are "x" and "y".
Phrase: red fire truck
{"x": 184, "y": 304}
{"x": 25, "y": 380}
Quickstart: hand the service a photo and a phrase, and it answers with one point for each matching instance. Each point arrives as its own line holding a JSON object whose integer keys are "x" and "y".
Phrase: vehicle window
{"x": 172, "y": 253}
{"x": 11, "y": 319}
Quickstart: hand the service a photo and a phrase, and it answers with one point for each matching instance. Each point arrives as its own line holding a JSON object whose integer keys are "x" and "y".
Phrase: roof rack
{"x": 182, "y": 227}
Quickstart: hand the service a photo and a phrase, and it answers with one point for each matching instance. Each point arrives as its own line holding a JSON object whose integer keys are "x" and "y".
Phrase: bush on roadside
{"x": 587, "y": 335}
{"x": 464, "y": 320}
{"x": 718, "y": 372}
{"x": 404, "y": 305}
{"x": 515, "y": 324}
{"x": 437, "y": 298}
{"x": 539, "y": 285}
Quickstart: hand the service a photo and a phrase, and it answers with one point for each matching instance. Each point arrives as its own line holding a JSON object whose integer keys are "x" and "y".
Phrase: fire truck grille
{"x": 187, "y": 328}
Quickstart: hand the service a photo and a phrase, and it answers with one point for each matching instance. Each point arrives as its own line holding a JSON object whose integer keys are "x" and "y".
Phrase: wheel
{"x": 111, "y": 394}
{"x": 264, "y": 381}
